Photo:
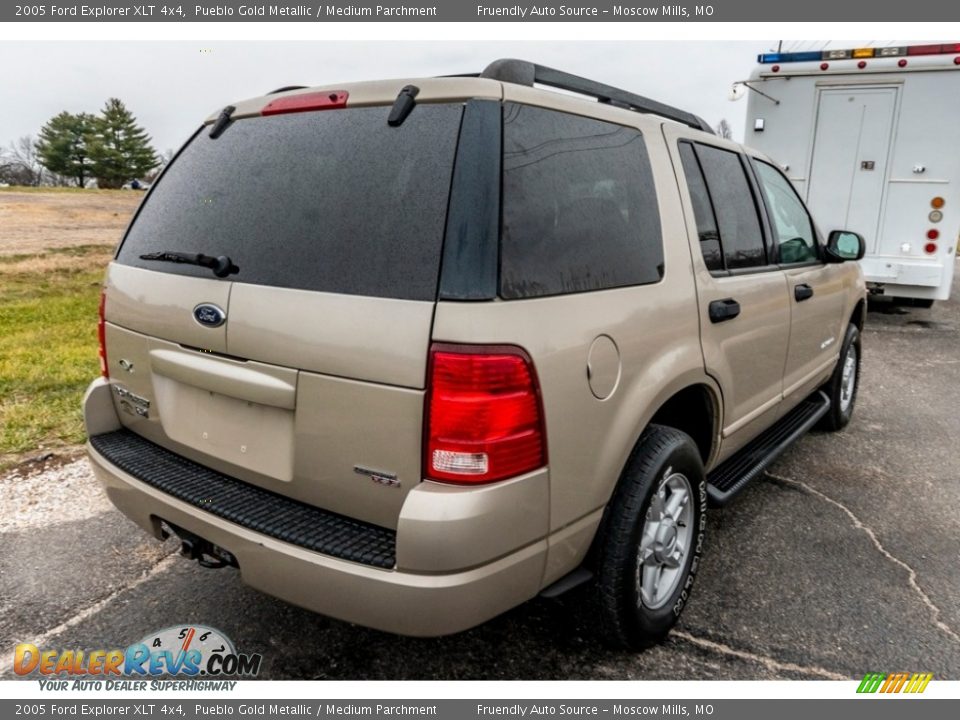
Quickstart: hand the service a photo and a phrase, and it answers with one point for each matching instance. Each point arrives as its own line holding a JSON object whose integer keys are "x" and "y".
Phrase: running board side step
{"x": 567, "y": 583}
{"x": 733, "y": 474}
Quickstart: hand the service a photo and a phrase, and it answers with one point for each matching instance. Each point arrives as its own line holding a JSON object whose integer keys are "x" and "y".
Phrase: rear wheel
{"x": 843, "y": 384}
{"x": 652, "y": 539}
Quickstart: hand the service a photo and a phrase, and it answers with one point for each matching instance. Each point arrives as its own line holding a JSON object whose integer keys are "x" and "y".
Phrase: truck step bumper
{"x": 247, "y": 505}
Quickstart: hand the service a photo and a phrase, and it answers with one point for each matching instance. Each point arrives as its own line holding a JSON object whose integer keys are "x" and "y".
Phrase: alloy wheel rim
{"x": 848, "y": 380}
{"x": 665, "y": 541}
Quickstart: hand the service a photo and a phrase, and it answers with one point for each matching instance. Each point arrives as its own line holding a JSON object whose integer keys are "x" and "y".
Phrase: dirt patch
{"x": 32, "y": 222}
{"x": 56, "y": 261}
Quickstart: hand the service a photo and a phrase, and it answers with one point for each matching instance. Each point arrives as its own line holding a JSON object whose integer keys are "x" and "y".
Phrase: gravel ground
{"x": 37, "y": 498}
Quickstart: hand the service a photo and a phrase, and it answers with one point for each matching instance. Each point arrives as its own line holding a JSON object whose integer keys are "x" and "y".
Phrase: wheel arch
{"x": 695, "y": 410}
{"x": 694, "y": 407}
{"x": 859, "y": 314}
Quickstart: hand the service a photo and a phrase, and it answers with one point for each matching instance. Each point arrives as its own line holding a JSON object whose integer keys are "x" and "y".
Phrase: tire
{"x": 843, "y": 396}
{"x": 632, "y": 544}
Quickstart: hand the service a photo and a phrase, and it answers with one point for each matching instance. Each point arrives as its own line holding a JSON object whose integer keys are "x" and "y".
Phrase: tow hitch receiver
{"x": 196, "y": 548}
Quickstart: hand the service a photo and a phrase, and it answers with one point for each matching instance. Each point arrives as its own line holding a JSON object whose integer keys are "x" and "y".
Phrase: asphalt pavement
{"x": 844, "y": 558}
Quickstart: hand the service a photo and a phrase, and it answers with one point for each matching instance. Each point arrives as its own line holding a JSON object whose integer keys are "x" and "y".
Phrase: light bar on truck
{"x": 812, "y": 55}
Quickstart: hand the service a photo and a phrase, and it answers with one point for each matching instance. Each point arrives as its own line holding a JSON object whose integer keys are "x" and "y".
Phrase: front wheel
{"x": 652, "y": 539}
{"x": 843, "y": 384}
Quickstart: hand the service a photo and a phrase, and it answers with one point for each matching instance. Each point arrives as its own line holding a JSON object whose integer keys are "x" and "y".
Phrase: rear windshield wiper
{"x": 221, "y": 265}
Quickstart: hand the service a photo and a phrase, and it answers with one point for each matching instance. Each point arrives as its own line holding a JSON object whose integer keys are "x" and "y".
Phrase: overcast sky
{"x": 172, "y": 86}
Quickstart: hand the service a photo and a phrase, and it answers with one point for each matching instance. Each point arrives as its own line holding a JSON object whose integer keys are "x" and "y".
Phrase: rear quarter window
{"x": 333, "y": 201}
{"x": 579, "y": 206}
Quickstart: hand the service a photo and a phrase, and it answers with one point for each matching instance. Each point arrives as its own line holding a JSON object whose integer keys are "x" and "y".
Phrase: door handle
{"x": 802, "y": 292}
{"x": 722, "y": 310}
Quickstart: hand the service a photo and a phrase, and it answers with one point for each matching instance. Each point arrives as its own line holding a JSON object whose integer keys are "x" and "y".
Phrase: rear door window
{"x": 579, "y": 206}
{"x": 334, "y": 201}
{"x": 735, "y": 208}
{"x": 702, "y": 208}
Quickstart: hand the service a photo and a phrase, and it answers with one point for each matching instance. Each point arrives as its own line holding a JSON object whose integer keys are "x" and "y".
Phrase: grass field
{"x": 48, "y": 345}
{"x": 54, "y": 246}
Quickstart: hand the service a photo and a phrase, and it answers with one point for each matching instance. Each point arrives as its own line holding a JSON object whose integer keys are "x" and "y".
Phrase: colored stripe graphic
{"x": 870, "y": 683}
{"x": 894, "y": 682}
{"x": 924, "y": 681}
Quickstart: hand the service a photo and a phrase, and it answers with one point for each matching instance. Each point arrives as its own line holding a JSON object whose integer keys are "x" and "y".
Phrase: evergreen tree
{"x": 63, "y": 146}
{"x": 120, "y": 149}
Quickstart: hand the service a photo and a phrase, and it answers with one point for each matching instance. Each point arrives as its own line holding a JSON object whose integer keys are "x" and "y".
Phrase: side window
{"x": 741, "y": 236}
{"x": 702, "y": 208}
{"x": 792, "y": 228}
{"x": 579, "y": 206}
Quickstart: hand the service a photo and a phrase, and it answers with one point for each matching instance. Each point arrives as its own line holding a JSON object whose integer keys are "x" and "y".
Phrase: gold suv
{"x": 410, "y": 353}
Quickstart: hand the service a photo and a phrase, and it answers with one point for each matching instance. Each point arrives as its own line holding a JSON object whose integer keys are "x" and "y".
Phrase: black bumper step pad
{"x": 246, "y": 505}
{"x": 747, "y": 464}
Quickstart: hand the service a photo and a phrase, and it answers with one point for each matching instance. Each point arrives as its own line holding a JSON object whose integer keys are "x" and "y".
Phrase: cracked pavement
{"x": 844, "y": 558}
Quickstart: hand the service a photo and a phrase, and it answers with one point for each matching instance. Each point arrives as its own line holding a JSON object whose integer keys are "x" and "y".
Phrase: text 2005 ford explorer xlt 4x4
{"x": 409, "y": 353}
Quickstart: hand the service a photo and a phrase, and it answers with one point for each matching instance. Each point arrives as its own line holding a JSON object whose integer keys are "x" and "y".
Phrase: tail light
{"x": 102, "y": 335}
{"x": 485, "y": 418}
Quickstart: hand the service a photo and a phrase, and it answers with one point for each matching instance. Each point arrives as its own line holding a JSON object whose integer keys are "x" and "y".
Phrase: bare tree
{"x": 723, "y": 129}
{"x": 165, "y": 158}
{"x": 20, "y": 164}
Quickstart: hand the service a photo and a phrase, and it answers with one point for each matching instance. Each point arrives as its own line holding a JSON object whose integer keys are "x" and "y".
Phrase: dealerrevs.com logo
{"x": 191, "y": 651}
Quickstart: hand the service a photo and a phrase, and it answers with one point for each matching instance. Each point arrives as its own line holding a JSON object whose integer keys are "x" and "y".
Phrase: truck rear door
{"x": 848, "y": 173}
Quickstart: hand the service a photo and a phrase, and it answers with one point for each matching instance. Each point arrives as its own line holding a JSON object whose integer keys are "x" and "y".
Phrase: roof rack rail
{"x": 523, "y": 72}
{"x": 285, "y": 88}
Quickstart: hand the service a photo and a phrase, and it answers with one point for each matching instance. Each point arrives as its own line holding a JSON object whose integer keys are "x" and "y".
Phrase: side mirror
{"x": 845, "y": 245}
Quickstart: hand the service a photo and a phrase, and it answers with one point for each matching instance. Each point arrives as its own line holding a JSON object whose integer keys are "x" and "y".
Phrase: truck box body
{"x": 870, "y": 142}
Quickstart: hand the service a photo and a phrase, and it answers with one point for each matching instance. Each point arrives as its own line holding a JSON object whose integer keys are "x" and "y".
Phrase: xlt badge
{"x": 381, "y": 478}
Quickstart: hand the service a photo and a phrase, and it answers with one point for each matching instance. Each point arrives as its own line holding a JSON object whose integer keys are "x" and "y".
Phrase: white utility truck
{"x": 871, "y": 139}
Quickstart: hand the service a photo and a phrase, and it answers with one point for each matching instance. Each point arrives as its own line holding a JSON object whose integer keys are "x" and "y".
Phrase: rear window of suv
{"x": 333, "y": 201}
{"x": 579, "y": 206}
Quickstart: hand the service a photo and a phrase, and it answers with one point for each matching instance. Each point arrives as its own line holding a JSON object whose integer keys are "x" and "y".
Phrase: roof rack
{"x": 523, "y": 72}
{"x": 285, "y": 88}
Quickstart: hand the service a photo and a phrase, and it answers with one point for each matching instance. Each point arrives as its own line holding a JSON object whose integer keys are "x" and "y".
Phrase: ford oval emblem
{"x": 209, "y": 315}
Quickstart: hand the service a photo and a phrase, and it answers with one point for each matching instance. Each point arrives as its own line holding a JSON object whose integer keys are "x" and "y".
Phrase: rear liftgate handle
{"x": 802, "y": 292}
{"x": 722, "y": 310}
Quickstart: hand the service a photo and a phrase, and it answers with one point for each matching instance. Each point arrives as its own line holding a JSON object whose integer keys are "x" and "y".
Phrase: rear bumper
{"x": 905, "y": 277}
{"x": 425, "y": 602}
